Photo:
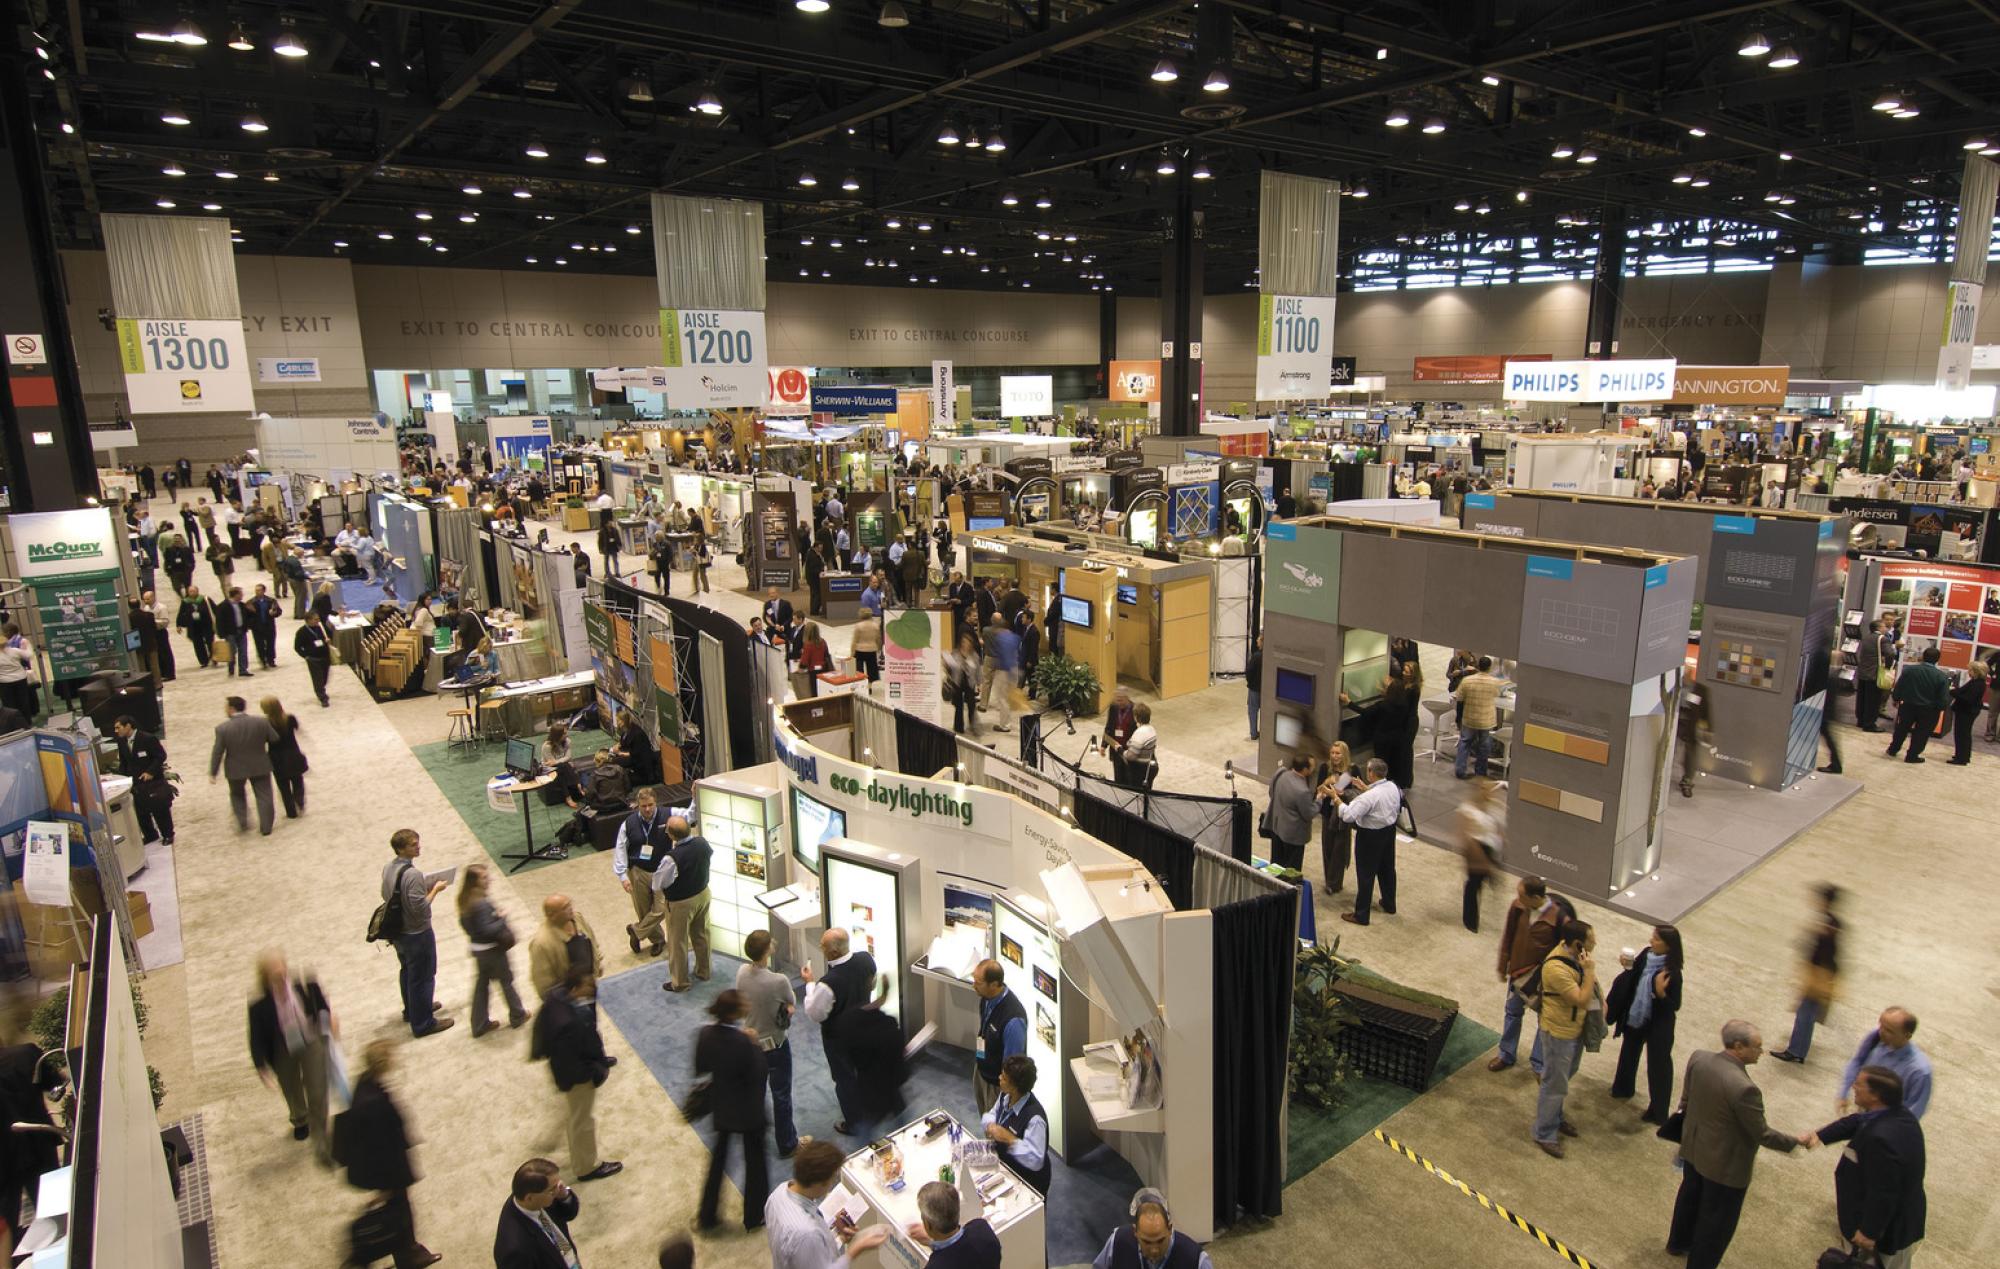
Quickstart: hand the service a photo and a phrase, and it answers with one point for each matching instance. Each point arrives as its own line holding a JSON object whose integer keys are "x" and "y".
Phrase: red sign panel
{"x": 1469, "y": 369}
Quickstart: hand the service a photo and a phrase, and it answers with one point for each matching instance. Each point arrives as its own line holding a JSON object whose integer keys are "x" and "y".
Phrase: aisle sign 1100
{"x": 1294, "y": 346}
{"x": 713, "y": 358}
{"x": 178, "y": 366}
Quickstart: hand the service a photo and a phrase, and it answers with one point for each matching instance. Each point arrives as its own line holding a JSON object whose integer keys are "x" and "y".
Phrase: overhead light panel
{"x": 1165, "y": 72}
{"x": 893, "y": 15}
{"x": 707, "y": 103}
{"x": 1217, "y": 81}
{"x": 288, "y": 43}
{"x": 1784, "y": 59}
{"x": 1754, "y": 45}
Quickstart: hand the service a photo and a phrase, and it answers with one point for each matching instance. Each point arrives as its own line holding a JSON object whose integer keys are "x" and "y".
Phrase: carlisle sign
{"x": 1630, "y": 380}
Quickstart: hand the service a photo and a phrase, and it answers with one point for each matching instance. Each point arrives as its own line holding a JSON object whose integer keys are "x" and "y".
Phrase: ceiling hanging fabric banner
{"x": 1298, "y": 259}
{"x": 709, "y": 259}
{"x": 180, "y": 317}
{"x": 1976, "y": 194}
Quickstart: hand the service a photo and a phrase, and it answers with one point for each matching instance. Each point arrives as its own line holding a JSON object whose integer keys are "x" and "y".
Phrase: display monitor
{"x": 866, "y": 901}
{"x": 1076, "y": 612}
{"x": 521, "y": 761}
{"x": 1061, "y": 573}
{"x": 981, "y": 523}
{"x": 1288, "y": 730}
{"x": 1128, "y": 594}
{"x": 1296, "y": 687}
{"x": 814, "y": 824}
{"x": 1145, "y": 526}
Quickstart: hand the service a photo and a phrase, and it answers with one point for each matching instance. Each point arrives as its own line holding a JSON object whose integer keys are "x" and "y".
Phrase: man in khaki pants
{"x": 683, "y": 878}
{"x": 566, "y": 1034}
{"x": 642, "y": 848}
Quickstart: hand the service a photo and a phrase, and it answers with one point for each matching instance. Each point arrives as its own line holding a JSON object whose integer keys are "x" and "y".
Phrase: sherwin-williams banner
{"x": 1731, "y": 385}
{"x": 1135, "y": 380}
{"x": 1302, "y": 571}
{"x": 1469, "y": 369}
{"x": 854, "y": 400}
{"x": 1622, "y": 380}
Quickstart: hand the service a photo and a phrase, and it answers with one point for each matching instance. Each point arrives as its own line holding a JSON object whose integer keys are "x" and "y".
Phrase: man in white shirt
{"x": 347, "y": 537}
{"x": 836, "y": 510}
{"x": 1373, "y": 814}
{"x": 604, "y": 502}
{"x": 1020, "y": 1125}
{"x": 800, "y": 1237}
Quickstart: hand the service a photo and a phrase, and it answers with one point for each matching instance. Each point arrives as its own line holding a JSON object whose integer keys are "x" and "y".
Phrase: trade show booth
{"x": 1593, "y": 462}
{"x": 1597, "y": 636}
{"x": 1766, "y": 612}
{"x": 520, "y": 440}
{"x": 332, "y": 450}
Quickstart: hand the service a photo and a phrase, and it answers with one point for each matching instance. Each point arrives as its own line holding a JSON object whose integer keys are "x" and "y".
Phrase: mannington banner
{"x": 1731, "y": 385}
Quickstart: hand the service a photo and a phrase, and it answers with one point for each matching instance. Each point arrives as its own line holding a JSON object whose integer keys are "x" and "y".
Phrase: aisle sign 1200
{"x": 177, "y": 366}
{"x": 712, "y": 358}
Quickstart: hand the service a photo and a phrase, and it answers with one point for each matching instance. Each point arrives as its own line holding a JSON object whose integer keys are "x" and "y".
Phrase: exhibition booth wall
{"x": 329, "y": 449}
{"x": 1767, "y": 591}
{"x": 1597, "y": 638}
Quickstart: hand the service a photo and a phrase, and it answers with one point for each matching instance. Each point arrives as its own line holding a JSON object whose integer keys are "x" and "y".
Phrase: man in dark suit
{"x": 244, "y": 741}
{"x": 777, "y": 610}
{"x": 264, "y": 625}
{"x": 1723, "y": 1129}
{"x": 534, "y": 1223}
{"x": 734, "y": 1063}
{"x": 232, "y": 626}
{"x": 834, "y": 1002}
{"x": 566, "y": 1034}
{"x": 314, "y": 648}
{"x": 1878, "y": 1186}
{"x": 972, "y": 1245}
{"x": 143, "y": 758}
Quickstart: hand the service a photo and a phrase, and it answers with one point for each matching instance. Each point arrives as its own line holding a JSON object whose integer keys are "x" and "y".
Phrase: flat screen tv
{"x": 979, "y": 524}
{"x": 1128, "y": 594}
{"x": 1295, "y": 687}
{"x": 1287, "y": 731}
{"x": 814, "y": 823}
{"x": 1076, "y": 612}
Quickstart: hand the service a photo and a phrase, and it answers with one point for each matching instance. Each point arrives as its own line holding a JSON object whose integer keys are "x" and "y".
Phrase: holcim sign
{"x": 1731, "y": 385}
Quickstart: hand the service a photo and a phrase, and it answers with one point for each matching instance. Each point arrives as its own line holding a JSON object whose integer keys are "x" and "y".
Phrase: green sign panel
{"x": 1302, "y": 571}
{"x": 80, "y": 623}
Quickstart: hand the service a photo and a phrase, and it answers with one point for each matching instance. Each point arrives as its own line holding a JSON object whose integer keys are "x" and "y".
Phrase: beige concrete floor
{"x": 1913, "y": 847}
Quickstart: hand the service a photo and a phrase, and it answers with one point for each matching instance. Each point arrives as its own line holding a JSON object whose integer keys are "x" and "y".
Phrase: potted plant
{"x": 1067, "y": 685}
{"x": 1320, "y": 1069}
{"x": 49, "y": 1023}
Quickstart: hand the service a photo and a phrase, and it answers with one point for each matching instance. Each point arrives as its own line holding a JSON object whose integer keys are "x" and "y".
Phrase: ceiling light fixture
{"x": 850, "y": 182}
{"x": 1562, "y": 150}
{"x": 1682, "y": 178}
{"x": 1165, "y": 165}
{"x": 1201, "y": 172}
{"x": 996, "y": 140}
{"x": 240, "y": 40}
{"x": 522, "y": 191}
{"x": 1433, "y": 126}
{"x": 423, "y": 215}
{"x": 632, "y": 229}
{"x": 813, "y": 6}
{"x": 386, "y": 236}
{"x": 1359, "y": 191}
{"x": 341, "y": 242}
{"x": 536, "y": 148}
{"x": 1396, "y": 118}
{"x": 894, "y": 222}
{"x": 595, "y": 157}
{"x": 972, "y": 141}
{"x": 468, "y": 218}
{"x": 1217, "y": 81}
{"x": 1463, "y": 204}
{"x": 1011, "y": 199}
{"x": 1043, "y": 201}
{"x": 177, "y": 115}
{"x": 1697, "y": 132}
{"x": 808, "y": 180}
{"x": 1484, "y": 209}
{"x": 254, "y": 122}
{"x": 1165, "y": 72}
{"x": 187, "y": 34}
{"x": 1754, "y": 45}
{"x": 948, "y": 134}
{"x": 1909, "y": 111}
{"x": 1699, "y": 182}
{"x": 1784, "y": 59}
{"x": 288, "y": 43}
{"x": 1888, "y": 101}
{"x": 1491, "y": 81}
{"x": 471, "y": 188}
{"x": 893, "y": 15}
{"x": 1520, "y": 196}
{"x": 173, "y": 169}
{"x": 1586, "y": 157}
{"x": 923, "y": 226}
{"x": 165, "y": 204}
{"x": 1977, "y": 143}
{"x": 270, "y": 178}
{"x": 707, "y": 103}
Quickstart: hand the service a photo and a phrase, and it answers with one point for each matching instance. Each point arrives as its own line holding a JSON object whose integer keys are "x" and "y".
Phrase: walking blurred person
{"x": 288, "y": 761}
{"x": 290, "y": 1025}
{"x": 770, "y": 1004}
{"x": 1482, "y": 832}
{"x": 491, "y": 941}
{"x": 375, "y": 1150}
{"x": 1819, "y": 976}
{"x": 733, "y": 1062}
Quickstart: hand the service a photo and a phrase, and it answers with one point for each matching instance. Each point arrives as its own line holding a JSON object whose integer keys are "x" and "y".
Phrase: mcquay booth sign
{"x": 64, "y": 552}
{"x": 1625, "y": 380}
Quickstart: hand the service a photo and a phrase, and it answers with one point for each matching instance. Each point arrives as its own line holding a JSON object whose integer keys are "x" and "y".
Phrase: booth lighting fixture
{"x": 707, "y": 103}
{"x": 1784, "y": 59}
{"x": 187, "y": 34}
{"x": 633, "y": 229}
{"x": 595, "y": 157}
{"x": 177, "y": 115}
{"x": 893, "y": 15}
{"x": 1396, "y": 118}
{"x": 239, "y": 39}
{"x": 850, "y": 182}
{"x": 522, "y": 191}
{"x": 813, "y": 6}
{"x": 1562, "y": 150}
{"x": 173, "y": 169}
{"x": 1011, "y": 199}
{"x": 948, "y": 134}
{"x": 1888, "y": 102}
{"x": 165, "y": 204}
{"x": 1217, "y": 82}
{"x": 1754, "y": 45}
{"x": 288, "y": 43}
{"x": 1043, "y": 201}
{"x": 1165, "y": 72}
{"x": 536, "y": 148}
{"x": 254, "y": 122}
{"x": 1586, "y": 157}
{"x": 1165, "y": 166}
{"x": 1697, "y": 132}
{"x": 1201, "y": 172}
{"x": 1491, "y": 81}
{"x": 1433, "y": 126}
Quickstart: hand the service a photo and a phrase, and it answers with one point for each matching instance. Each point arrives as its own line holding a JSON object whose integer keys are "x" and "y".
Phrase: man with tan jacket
{"x": 1525, "y": 941}
{"x": 565, "y": 939}
{"x": 1723, "y": 1128}
{"x": 1478, "y": 694}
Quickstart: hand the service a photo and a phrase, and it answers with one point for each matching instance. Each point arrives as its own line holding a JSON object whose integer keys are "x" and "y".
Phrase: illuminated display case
{"x": 744, "y": 822}
{"x": 872, "y": 894}
{"x": 1033, "y": 964}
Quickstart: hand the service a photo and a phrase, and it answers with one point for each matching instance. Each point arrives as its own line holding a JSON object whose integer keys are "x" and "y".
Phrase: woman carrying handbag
{"x": 1642, "y": 1005}
{"x": 491, "y": 939}
{"x": 373, "y": 1144}
{"x": 288, "y": 761}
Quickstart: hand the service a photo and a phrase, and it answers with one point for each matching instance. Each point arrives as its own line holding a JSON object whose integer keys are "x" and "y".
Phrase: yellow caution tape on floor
{"x": 1527, "y": 1227}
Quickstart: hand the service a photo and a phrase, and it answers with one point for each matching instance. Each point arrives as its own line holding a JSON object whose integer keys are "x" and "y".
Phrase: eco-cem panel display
{"x": 1302, "y": 571}
{"x": 1581, "y": 618}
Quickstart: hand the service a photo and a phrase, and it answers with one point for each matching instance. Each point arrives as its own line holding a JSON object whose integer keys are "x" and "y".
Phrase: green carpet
{"x": 1318, "y": 1135}
{"x": 462, "y": 778}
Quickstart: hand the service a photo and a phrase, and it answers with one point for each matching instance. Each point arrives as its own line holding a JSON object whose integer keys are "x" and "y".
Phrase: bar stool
{"x": 462, "y": 736}
{"x": 1437, "y": 709}
{"x": 493, "y": 720}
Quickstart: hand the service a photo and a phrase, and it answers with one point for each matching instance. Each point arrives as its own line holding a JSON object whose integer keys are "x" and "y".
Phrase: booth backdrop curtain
{"x": 1221, "y": 824}
{"x": 1219, "y": 880}
{"x": 875, "y": 729}
{"x": 921, "y": 747}
{"x": 708, "y": 252}
{"x": 458, "y": 542}
{"x": 1298, "y": 235}
{"x": 172, "y": 266}
{"x": 1253, "y": 941}
{"x": 1167, "y": 856}
{"x": 715, "y": 708}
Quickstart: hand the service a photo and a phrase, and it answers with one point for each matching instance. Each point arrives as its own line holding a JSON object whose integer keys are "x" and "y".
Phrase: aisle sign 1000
{"x": 175, "y": 366}
{"x": 711, "y": 358}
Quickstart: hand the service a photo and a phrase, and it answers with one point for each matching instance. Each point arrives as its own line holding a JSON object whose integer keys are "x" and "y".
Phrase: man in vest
{"x": 1018, "y": 1122}
{"x": 1003, "y": 1031}
{"x": 843, "y": 990}
{"x": 1150, "y": 1241}
{"x": 683, "y": 878}
{"x": 972, "y": 1245}
{"x": 642, "y": 848}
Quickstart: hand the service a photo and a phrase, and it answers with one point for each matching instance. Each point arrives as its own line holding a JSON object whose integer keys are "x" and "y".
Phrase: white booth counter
{"x": 886, "y": 1175}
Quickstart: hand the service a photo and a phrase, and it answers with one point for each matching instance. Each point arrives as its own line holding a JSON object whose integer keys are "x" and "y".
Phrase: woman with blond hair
{"x": 1336, "y": 836}
{"x": 288, "y": 761}
{"x": 289, "y": 1027}
{"x": 490, "y": 938}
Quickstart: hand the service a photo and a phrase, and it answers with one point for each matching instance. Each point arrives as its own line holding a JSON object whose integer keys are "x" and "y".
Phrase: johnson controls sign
{"x": 1634, "y": 380}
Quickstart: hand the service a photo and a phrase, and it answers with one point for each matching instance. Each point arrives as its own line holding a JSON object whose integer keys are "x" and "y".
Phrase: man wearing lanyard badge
{"x": 1003, "y": 1031}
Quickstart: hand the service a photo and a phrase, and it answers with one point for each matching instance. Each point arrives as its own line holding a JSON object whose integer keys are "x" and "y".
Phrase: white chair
{"x": 1437, "y": 709}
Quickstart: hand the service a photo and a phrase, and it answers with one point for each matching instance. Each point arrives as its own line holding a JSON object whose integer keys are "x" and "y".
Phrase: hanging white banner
{"x": 1624, "y": 380}
{"x": 1294, "y": 347}
{"x": 943, "y": 395}
{"x": 176, "y": 366}
{"x": 1961, "y": 316}
{"x": 712, "y": 358}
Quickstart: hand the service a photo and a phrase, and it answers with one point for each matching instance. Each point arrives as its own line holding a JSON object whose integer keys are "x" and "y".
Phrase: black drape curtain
{"x": 1253, "y": 941}
{"x": 1168, "y": 856}
{"x": 923, "y": 749}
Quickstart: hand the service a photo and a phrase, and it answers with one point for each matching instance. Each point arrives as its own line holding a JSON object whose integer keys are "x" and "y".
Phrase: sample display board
{"x": 1294, "y": 347}
{"x": 179, "y": 366}
{"x": 743, "y": 823}
{"x": 873, "y": 895}
{"x": 1952, "y": 607}
{"x": 712, "y": 359}
{"x": 913, "y": 663}
{"x": 69, "y": 559}
{"x": 1033, "y": 965}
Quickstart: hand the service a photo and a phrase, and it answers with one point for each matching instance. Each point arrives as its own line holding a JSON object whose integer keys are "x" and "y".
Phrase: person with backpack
{"x": 1567, "y": 986}
{"x": 405, "y": 920}
{"x": 1530, "y": 932}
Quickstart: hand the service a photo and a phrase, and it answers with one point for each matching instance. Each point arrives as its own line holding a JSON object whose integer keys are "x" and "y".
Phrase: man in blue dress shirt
{"x": 1891, "y": 1045}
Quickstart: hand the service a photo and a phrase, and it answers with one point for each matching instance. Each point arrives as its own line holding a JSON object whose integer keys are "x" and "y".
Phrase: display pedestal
{"x": 1016, "y": 1213}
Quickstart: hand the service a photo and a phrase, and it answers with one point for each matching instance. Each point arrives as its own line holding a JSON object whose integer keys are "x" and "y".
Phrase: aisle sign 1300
{"x": 175, "y": 365}
{"x": 713, "y": 358}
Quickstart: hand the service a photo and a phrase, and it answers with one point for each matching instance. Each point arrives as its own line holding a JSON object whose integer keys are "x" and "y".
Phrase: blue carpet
{"x": 1086, "y": 1201}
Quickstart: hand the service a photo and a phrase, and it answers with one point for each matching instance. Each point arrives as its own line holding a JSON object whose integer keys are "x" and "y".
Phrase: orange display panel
{"x": 1566, "y": 743}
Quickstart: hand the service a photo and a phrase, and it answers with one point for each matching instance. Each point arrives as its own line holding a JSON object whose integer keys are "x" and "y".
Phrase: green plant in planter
{"x": 49, "y": 1026}
{"x": 1067, "y": 684}
{"x": 1320, "y": 1071}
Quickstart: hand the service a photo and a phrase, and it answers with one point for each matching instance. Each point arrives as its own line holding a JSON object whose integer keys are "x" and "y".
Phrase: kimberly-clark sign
{"x": 1633, "y": 380}
{"x": 853, "y": 400}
